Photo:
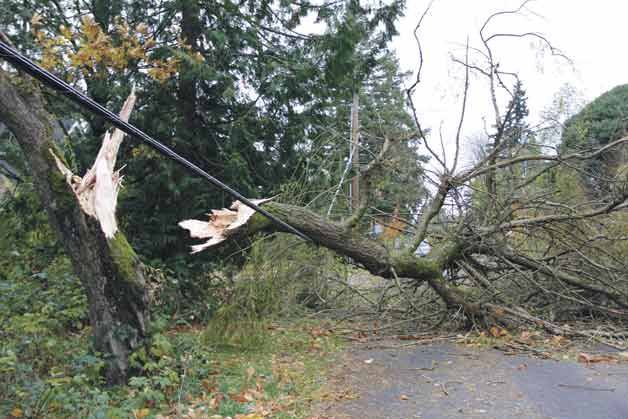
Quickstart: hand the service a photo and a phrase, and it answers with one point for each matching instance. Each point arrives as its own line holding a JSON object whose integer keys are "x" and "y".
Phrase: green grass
{"x": 184, "y": 376}
{"x": 285, "y": 373}
{"x": 239, "y": 362}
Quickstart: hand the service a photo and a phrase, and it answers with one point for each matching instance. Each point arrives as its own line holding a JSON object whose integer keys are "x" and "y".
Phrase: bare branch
{"x": 464, "y": 108}
{"x": 477, "y": 171}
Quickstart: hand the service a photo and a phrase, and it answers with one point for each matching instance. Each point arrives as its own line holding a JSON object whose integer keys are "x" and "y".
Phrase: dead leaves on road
{"x": 537, "y": 343}
{"x": 613, "y": 357}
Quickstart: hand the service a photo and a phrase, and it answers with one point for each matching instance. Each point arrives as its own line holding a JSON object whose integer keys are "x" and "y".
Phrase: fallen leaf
{"x": 410, "y": 337}
{"x": 209, "y": 386}
{"x": 141, "y": 413}
{"x": 17, "y": 413}
{"x": 250, "y": 372}
{"x": 214, "y": 402}
{"x": 317, "y": 332}
{"x": 241, "y": 397}
{"x": 497, "y": 332}
{"x": 557, "y": 340}
{"x": 591, "y": 359}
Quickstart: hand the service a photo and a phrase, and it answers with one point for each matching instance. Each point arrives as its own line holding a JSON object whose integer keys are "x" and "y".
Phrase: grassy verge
{"x": 188, "y": 377}
{"x": 278, "y": 378}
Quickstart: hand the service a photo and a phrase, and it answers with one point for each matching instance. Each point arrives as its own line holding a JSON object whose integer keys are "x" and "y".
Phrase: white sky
{"x": 592, "y": 34}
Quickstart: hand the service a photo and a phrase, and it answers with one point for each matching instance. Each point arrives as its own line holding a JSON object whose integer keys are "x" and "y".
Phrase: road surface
{"x": 446, "y": 380}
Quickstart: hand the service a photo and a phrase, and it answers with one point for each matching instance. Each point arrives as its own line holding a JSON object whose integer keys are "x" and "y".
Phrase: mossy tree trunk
{"x": 109, "y": 270}
{"x": 372, "y": 254}
{"x": 382, "y": 261}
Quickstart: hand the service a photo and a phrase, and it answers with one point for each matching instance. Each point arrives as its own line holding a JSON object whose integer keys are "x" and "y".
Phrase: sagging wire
{"x": 20, "y": 61}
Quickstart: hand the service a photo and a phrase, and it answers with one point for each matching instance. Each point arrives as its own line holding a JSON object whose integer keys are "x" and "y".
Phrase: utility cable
{"x": 23, "y": 63}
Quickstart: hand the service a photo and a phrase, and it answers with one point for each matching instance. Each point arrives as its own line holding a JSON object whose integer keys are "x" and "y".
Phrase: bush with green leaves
{"x": 282, "y": 277}
{"x": 601, "y": 122}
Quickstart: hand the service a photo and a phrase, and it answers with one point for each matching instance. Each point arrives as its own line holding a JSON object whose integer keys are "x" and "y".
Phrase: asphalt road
{"x": 451, "y": 381}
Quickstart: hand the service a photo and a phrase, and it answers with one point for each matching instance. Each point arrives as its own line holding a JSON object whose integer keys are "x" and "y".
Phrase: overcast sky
{"x": 592, "y": 34}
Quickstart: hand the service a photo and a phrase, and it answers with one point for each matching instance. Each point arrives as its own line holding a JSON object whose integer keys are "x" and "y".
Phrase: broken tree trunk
{"x": 109, "y": 269}
{"x": 371, "y": 254}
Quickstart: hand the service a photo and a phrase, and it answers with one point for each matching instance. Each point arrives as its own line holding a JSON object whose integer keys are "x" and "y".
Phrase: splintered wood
{"x": 221, "y": 224}
{"x": 97, "y": 191}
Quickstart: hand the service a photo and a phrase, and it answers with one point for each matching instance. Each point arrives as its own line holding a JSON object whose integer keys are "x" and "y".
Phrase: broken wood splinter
{"x": 221, "y": 224}
{"x": 97, "y": 191}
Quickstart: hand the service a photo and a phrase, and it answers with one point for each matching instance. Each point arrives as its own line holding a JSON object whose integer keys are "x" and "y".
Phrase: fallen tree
{"x": 492, "y": 220}
{"x": 387, "y": 263}
{"x": 494, "y": 234}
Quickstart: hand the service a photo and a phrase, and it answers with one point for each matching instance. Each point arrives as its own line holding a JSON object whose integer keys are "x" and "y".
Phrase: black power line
{"x": 8, "y": 171}
{"x": 20, "y": 61}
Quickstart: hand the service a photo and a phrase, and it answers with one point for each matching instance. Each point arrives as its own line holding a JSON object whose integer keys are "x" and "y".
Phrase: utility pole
{"x": 355, "y": 152}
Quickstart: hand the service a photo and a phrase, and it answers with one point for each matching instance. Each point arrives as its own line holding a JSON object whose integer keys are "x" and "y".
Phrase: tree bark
{"x": 374, "y": 256}
{"x": 381, "y": 261}
{"x": 191, "y": 31}
{"x": 109, "y": 270}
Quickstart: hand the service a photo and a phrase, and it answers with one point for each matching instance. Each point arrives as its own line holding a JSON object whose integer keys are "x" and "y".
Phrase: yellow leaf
{"x": 40, "y": 35}
{"x": 150, "y": 43}
{"x": 16, "y": 413}
{"x": 142, "y": 28}
{"x": 557, "y": 340}
{"x": 136, "y": 52}
{"x": 498, "y": 332}
{"x": 141, "y": 413}
{"x": 494, "y": 330}
{"x": 66, "y": 32}
{"x": 122, "y": 28}
{"x": 36, "y": 20}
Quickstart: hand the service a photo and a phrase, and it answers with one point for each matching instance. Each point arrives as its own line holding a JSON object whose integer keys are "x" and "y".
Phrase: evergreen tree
{"x": 516, "y": 129}
{"x": 233, "y": 86}
{"x": 602, "y": 121}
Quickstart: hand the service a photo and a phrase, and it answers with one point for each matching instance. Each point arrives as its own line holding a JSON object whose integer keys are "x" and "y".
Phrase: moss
{"x": 416, "y": 267}
{"x": 448, "y": 252}
{"x": 257, "y": 223}
{"x": 125, "y": 259}
{"x": 25, "y": 85}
